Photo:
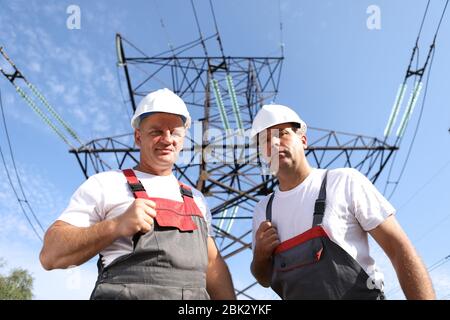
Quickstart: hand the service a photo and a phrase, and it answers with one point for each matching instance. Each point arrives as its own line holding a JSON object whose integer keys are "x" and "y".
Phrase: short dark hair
{"x": 295, "y": 126}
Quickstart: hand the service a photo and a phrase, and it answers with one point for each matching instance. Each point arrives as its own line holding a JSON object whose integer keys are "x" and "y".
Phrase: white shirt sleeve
{"x": 370, "y": 207}
{"x": 259, "y": 216}
{"x": 200, "y": 201}
{"x": 84, "y": 209}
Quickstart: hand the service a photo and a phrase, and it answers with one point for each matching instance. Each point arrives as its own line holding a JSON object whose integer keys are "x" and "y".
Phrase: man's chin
{"x": 279, "y": 164}
{"x": 166, "y": 159}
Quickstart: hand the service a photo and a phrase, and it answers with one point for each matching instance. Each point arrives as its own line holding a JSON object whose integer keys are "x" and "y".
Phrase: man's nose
{"x": 166, "y": 137}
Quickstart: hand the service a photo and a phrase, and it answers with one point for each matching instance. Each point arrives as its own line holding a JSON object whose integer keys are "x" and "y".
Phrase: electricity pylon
{"x": 223, "y": 94}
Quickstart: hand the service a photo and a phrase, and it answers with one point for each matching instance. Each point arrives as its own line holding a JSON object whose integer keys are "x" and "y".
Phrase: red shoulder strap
{"x": 188, "y": 199}
{"x": 139, "y": 192}
{"x": 180, "y": 215}
{"x": 136, "y": 186}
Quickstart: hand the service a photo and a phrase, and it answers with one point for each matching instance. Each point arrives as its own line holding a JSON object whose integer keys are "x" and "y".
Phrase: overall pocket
{"x": 303, "y": 255}
{"x": 297, "y": 271}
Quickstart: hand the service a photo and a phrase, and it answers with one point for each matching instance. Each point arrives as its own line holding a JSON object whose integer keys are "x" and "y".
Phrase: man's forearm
{"x": 262, "y": 271}
{"x": 218, "y": 281}
{"x": 413, "y": 276}
{"x": 66, "y": 245}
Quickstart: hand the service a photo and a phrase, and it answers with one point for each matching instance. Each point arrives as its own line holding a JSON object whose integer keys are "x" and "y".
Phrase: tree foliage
{"x": 17, "y": 285}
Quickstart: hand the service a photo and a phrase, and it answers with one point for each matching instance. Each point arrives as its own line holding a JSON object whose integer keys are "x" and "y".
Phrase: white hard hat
{"x": 272, "y": 114}
{"x": 162, "y": 100}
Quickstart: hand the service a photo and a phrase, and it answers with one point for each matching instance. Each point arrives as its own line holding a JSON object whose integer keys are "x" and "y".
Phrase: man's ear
{"x": 137, "y": 137}
{"x": 304, "y": 141}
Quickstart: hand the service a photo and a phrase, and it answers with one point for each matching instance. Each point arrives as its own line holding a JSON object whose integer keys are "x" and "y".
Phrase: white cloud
{"x": 42, "y": 195}
{"x": 441, "y": 282}
{"x": 53, "y": 8}
{"x": 82, "y": 62}
{"x": 102, "y": 124}
{"x": 20, "y": 247}
{"x": 35, "y": 66}
{"x": 71, "y": 96}
{"x": 5, "y": 66}
{"x": 80, "y": 115}
{"x": 80, "y": 83}
{"x": 109, "y": 80}
{"x": 56, "y": 87}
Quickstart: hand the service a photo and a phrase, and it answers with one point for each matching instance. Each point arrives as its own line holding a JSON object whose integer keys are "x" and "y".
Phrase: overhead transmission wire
{"x": 430, "y": 269}
{"x": 399, "y": 99}
{"x": 168, "y": 38}
{"x": 163, "y": 26}
{"x": 32, "y": 104}
{"x": 280, "y": 18}
{"x": 124, "y": 101}
{"x": 234, "y": 104}
{"x": 402, "y": 128}
{"x": 415, "y": 132}
{"x": 214, "y": 83}
{"x": 413, "y": 98}
{"x": 218, "y": 97}
{"x": 202, "y": 41}
{"x": 402, "y": 88}
{"x": 229, "y": 79}
{"x": 44, "y": 101}
{"x": 24, "y": 199}
{"x": 281, "y": 28}
{"x": 413, "y": 196}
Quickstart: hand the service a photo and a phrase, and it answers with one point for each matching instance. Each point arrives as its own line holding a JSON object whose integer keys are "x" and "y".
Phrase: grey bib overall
{"x": 311, "y": 266}
{"x": 168, "y": 262}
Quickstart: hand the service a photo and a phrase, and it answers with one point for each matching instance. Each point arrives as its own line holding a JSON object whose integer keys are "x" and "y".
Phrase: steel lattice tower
{"x": 232, "y": 185}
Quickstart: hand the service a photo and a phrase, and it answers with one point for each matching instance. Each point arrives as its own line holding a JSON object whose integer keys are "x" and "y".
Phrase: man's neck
{"x": 157, "y": 172}
{"x": 289, "y": 178}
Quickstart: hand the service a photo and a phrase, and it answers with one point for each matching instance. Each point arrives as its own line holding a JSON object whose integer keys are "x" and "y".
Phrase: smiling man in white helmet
{"x": 310, "y": 236}
{"x": 152, "y": 233}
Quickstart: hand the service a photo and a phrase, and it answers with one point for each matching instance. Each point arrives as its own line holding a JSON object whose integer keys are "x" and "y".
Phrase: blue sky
{"x": 337, "y": 74}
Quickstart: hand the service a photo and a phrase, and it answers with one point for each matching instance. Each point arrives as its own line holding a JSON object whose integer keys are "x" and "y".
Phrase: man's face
{"x": 160, "y": 137}
{"x": 282, "y": 146}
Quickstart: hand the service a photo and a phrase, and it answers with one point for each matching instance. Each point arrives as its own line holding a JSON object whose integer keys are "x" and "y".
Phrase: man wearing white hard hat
{"x": 310, "y": 236}
{"x": 152, "y": 233}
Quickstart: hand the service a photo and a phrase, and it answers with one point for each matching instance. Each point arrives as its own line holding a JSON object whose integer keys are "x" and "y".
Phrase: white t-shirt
{"x": 353, "y": 207}
{"x": 107, "y": 195}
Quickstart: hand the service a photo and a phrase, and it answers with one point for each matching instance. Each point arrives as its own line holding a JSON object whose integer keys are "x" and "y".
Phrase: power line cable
{"x": 18, "y": 75}
{"x": 24, "y": 200}
{"x": 397, "y": 105}
{"x": 418, "y": 75}
{"x": 121, "y": 93}
{"x": 281, "y": 28}
{"x": 219, "y": 40}
{"x": 415, "y": 131}
{"x": 430, "y": 269}
{"x": 163, "y": 26}
{"x": 202, "y": 41}
{"x": 436, "y": 174}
